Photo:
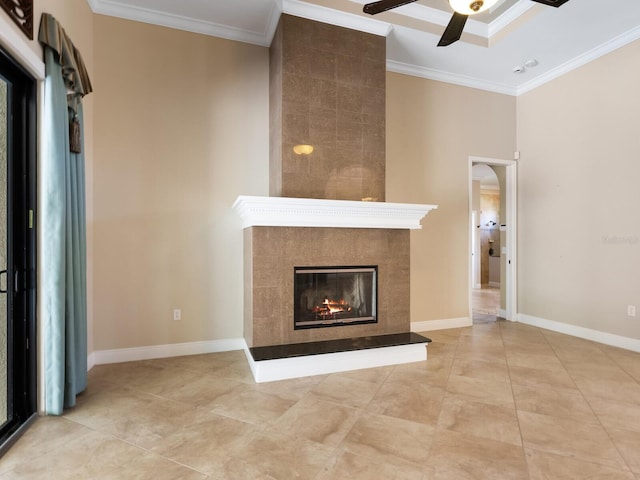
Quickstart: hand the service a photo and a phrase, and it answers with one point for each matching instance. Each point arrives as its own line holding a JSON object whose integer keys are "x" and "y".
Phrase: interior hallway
{"x": 485, "y": 303}
{"x": 494, "y": 401}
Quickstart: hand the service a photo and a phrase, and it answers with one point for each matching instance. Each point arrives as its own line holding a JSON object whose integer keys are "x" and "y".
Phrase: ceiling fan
{"x": 461, "y": 11}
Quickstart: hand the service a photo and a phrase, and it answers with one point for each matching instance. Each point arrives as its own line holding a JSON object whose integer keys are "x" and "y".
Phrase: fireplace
{"x": 327, "y": 89}
{"x": 334, "y": 296}
{"x": 282, "y": 235}
{"x": 323, "y": 242}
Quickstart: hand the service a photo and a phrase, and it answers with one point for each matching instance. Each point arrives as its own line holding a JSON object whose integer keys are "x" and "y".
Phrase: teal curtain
{"x": 63, "y": 264}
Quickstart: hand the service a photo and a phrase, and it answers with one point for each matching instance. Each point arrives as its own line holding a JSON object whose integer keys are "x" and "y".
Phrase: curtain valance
{"x": 74, "y": 72}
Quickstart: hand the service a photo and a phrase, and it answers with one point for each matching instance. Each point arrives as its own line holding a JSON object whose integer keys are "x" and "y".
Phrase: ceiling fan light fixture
{"x": 471, "y": 7}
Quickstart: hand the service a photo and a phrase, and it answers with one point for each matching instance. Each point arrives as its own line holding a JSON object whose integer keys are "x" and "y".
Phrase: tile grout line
{"x": 515, "y": 403}
{"x": 586, "y": 399}
{"x": 453, "y": 359}
{"x": 142, "y": 449}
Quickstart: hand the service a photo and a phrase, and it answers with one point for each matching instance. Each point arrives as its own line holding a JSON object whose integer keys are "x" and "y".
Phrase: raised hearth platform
{"x": 281, "y": 362}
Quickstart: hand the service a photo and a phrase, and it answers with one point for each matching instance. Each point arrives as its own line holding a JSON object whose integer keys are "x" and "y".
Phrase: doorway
{"x": 487, "y": 211}
{"x": 17, "y": 250}
{"x": 492, "y": 226}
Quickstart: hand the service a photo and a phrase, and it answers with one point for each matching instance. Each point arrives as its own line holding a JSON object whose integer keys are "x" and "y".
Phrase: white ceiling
{"x": 494, "y": 43}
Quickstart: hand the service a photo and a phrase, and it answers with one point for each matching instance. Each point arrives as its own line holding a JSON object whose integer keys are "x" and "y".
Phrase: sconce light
{"x": 303, "y": 149}
{"x": 471, "y": 7}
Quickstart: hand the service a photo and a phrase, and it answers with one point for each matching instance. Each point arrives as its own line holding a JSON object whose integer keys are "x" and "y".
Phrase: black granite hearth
{"x": 335, "y": 346}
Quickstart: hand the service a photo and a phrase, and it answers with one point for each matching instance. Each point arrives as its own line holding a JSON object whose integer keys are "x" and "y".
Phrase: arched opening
{"x": 492, "y": 226}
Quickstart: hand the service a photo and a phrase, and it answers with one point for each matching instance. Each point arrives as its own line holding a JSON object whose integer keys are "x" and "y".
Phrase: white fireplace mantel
{"x": 311, "y": 212}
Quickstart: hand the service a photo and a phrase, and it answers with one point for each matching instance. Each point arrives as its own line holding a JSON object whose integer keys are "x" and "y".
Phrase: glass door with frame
{"x": 17, "y": 250}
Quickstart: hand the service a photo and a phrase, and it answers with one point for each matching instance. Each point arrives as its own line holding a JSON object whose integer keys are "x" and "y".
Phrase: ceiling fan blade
{"x": 384, "y": 5}
{"x": 454, "y": 30}
{"x": 552, "y": 3}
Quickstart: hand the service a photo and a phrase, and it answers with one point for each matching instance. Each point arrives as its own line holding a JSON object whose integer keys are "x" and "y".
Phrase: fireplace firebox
{"x": 334, "y": 296}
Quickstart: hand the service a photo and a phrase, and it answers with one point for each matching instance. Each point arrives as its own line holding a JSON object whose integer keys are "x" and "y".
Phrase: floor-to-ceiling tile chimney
{"x": 327, "y": 90}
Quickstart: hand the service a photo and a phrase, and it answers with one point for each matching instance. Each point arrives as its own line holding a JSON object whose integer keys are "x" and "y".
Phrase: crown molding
{"x": 334, "y": 17}
{"x": 511, "y": 15}
{"x": 117, "y": 9}
{"x": 113, "y": 8}
{"x": 446, "y": 77}
{"x": 298, "y": 8}
{"x": 607, "y": 47}
{"x": 472, "y": 82}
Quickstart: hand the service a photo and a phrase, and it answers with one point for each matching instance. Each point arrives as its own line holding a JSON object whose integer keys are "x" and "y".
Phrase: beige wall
{"x": 181, "y": 131}
{"x": 475, "y": 195}
{"x": 432, "y": 129}
{"x": 172, "y": 155}
{"x": 578, "y": 195}
{"x": 178, "y": 137}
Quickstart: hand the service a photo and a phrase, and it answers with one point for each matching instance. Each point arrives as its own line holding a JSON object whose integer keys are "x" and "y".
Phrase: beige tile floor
{"x": 485, "y": 304}
{"x": 495, "y": 401}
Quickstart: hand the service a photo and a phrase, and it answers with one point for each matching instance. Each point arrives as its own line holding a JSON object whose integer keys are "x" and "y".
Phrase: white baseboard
{"x": 447, "y": 323}
{"x": 91, "y": 361}
{"x": 494, "y": 284}
{"x": 588, "y": 334}
{"x": 102, "y": 357}
{"x": 502, "y": 313}
{"x": 322, "y": 364}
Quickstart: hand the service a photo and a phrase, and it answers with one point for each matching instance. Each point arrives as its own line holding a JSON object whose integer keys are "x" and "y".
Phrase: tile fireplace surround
{"x": 282, "y": 233}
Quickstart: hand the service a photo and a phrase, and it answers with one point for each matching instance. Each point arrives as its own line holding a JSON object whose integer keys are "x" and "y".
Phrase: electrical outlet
{"x": 631, "y": 310}
{"x": 177, "y": 314}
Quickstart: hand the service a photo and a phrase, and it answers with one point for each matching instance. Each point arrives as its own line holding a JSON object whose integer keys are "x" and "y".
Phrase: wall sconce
{"x": 303, "y": 149}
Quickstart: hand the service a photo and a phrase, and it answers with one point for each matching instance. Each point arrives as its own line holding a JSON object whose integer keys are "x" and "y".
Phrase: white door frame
{"x": 475, "y": 249}
{"x": 509, "y": 220}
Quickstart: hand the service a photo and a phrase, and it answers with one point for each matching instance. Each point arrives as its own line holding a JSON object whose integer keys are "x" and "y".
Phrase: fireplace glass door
{"x": 333, "y": 296}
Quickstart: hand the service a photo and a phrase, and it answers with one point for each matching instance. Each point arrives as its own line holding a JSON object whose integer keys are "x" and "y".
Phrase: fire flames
{"x": 331, "y": 308}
